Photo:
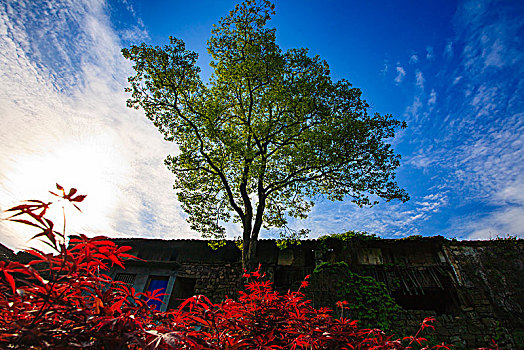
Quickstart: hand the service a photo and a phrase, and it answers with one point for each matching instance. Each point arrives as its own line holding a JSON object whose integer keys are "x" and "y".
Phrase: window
{"x": 154, "y": 283}
{"x": 127, "y": 278}
{"x": 184, "y": 288}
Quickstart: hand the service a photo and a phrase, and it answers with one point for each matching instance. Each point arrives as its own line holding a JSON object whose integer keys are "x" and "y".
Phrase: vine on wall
{"x": 369, "y": 301}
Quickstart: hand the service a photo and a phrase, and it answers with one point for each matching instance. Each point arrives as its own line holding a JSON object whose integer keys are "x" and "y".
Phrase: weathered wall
{"x": 490, "y": 287}
{"x": 213, "y": 273}
{"x": 475, "y": 289}
{"x": 214, "y": 281}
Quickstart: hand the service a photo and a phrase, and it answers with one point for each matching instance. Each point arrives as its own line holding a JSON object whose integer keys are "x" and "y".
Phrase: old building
{"x": 475, "y": 289}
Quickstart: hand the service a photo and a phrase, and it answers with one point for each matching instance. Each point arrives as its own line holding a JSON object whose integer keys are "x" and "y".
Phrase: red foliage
{"x": 64, "y": 300}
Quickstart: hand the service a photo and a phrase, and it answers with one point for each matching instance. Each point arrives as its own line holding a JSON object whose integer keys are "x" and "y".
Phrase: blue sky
{"x": 452, "y": 70}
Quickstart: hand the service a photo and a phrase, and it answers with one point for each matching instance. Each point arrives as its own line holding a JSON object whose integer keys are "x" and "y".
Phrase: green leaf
{"x": 269, "y": 132}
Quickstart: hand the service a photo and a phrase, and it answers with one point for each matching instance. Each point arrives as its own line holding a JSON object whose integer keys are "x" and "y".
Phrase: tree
{"x": 268, "y": 134}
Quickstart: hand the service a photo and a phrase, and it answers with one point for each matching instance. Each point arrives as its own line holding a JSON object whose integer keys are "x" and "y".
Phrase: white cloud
{"x": 413, "y": 111}
{"x": 422, "y": 160}
{"x": 413, "y": 58}
{"x": 401, "y": 73}
{"x": 491, "y": 32}
{"x": 432, "y": 202}
{"x": 429, "y": 53}
{"x": 448, "y": 51}
{"x": 386, "y": 219}
{"x": 472, "y": 145}
{"x": 64, "y": 119}
{"x": 134, "y": 34}
{"x": 432, "y": 98}
{"x": 456, "y": 80}
{"x": 420, "y": 79}
{"x": 484, "y": 100}
{"x": 511, "y": 193}
{"x": 385, "y": 68}
{"x": 494, "y": 55}
{"x": 502, "y": 222}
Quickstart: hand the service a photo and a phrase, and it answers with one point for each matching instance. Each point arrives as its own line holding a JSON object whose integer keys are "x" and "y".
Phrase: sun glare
{"x": 91, "y": 165}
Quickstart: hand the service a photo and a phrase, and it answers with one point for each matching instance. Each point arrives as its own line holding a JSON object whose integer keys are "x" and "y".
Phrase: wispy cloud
{"x": 401, "y": 73}
{"x": 386, "y": 219}
{"x": 413, "y": 110}
{"x": 419, "y": 79}
{"x": 491, "y": 31}
{"x": 429, "y": 53}
{"x": 448, "y": 51}
{"x": 385, "y": 68}
{"x": 432, "y": 100}
{"x": 500, "y": 223}
{"x": 466, "y": 136}
{"x": 64, "y": 119}
{"x": 130, "y": 32}
{"x": 479, "y": 146}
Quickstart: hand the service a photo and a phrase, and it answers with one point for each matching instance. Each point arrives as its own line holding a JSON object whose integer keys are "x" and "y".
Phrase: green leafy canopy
{"x": 269, "y": 132}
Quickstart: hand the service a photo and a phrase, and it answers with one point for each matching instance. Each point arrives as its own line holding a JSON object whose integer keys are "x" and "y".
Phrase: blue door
{"x": 154, "y": 284}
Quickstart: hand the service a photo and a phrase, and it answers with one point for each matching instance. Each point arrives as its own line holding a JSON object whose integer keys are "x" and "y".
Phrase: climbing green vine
{"x": 369, "y": 301}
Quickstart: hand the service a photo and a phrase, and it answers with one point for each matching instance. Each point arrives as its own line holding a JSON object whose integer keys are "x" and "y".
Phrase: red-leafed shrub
{"x": 63, "y": 300}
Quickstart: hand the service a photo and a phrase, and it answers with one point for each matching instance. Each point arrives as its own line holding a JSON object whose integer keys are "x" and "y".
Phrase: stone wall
{"x": 475, "y": 289}
{"x": 214, "y": 281}
{"x": 466, "y": 326}
{"x": 465, "y": 330}
{"x": 490, "y": 284}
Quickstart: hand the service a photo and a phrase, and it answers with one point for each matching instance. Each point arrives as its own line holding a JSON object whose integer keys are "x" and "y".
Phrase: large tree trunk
{"x": 251, "y": 233}
{"x": 245, "y": 254}
{"x": 247, "y": 242}
{"x": 252, "y": 229}
{"x": 252, "y": 264}
{"x": 249, "y": 252}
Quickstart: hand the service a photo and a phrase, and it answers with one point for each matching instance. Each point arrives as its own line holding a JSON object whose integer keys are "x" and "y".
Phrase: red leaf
{"x": 11, "y": 281}
{"x": 61, "y": 189}
{"x": 79, "y": 198}
{"x": 124, "y": 248}
{"x": 26, "y": 222}
{"x": 155, "y": 295}
{"x": 116, "y": 306}
{"x": 98, "y": 241}
{"x": 115, "y": 260}
{"x": 71, "y": 193}
{"x": 21, "y": 207}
